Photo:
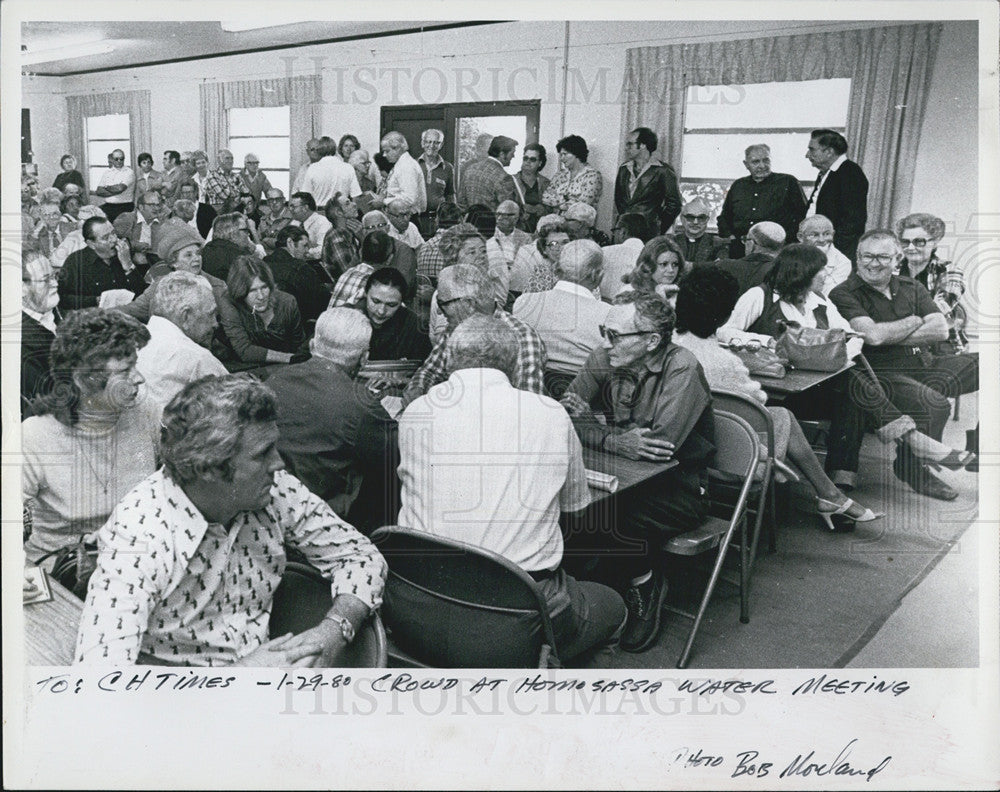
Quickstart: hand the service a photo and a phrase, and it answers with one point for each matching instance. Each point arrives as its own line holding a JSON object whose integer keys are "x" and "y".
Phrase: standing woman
{"x": 576, "y": 180}
{"x": 69, "y": 174}
{"x": 531, "y": 185}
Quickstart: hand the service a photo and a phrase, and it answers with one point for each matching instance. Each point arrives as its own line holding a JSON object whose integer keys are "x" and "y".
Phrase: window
{"x": 263, "y": 131}
{"x": 104, "y": 135}
{"x": 720, "y": 121}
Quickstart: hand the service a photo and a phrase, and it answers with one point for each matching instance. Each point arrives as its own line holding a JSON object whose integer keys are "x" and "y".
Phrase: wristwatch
{"x": 346, "y": 628}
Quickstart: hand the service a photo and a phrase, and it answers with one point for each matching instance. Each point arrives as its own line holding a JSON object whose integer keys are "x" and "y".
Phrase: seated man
{"x": 335, "y": 436}
{"x": 180, "y": 333}
{"x": 484, "y": 463}
{"x": 397, "y": 332}
{"x": 375, "y": 252}
{"x": 401, "y": 256}
{"x": 293, "y": 274}
{"x": 661, "y": 409}
{"x": 695, "y": 244}
{"x": 464, "y": 290}
{"x": 507, "y": 237}
{"x": 568, "y": 317}
{"x": 399, "y": 210}
{"x": 762, "y": 243}
{"x": 39, "y": 301}
{"x": 141, "y": 227}
{"x": 230, "y": 240}
{"x": 276, "y": 218}
{"x": 302, "y": 208}
{"x": 103, "y": 265}
{"x": 580, "y": 218}
{"x": 817, "y": 231}
{"x": 189, "y": 560}
{"x": 900, "y": 323}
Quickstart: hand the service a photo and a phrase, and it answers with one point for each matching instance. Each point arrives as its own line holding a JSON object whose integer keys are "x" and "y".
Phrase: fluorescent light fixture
{"x": 69, "y": 51}
{"x": 239, "y": 27}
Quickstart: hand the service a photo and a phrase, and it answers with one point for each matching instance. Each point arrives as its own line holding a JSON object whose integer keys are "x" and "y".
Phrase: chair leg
{"x": 958, "y": 400}
{"x": 772, "y": 533}
{"x": 745, "y": 562}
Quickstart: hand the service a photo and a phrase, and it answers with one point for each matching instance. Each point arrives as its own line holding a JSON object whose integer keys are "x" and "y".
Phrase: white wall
{"x": 525, "y": 61}
{"x": 44, "y": 97}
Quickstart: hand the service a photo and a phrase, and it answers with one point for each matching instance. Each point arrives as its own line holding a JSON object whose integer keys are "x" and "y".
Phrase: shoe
{"x": 828, "y": 510}
{"x": 955, "y": 460}
{"x": 645, "y": 604}
{"x": 910, "y": 470}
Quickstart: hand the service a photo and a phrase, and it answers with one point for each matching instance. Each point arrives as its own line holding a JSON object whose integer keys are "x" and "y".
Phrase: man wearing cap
{"x": 695, "y": 244}
{"x": 486, "y": 181}
{"x": 252, "y": 178}
{"x": 580, "y": 219}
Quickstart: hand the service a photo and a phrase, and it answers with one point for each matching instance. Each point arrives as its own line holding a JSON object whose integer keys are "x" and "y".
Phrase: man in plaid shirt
{"x": 464, "y": 290}
{"x": 375, "y": 252}
{"x": 222, "y": 186}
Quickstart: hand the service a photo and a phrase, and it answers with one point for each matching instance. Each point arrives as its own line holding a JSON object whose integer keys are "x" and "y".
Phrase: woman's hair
{"x": 85, "y": 341}
{"x": 452, "y": 240}
{"x": 705, "y": 300}
{"x": 934, "y": 226}
{"x": 575, "y": 145}
{"x": 241, "y": 274}
{"x": 545, "y": 231}
{"x": 345, "y": 138}
{"x": 793, "y": 270}
{"x": 65, "y": 202}
{"x": 376, "y": 248}
{"x": 641, "y": 277}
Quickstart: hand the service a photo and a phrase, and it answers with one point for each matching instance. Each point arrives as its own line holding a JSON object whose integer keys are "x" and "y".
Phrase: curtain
{"x": 889, "y": 67}
{"x": 303, "y": 95}
{"x": 133, "y": 103}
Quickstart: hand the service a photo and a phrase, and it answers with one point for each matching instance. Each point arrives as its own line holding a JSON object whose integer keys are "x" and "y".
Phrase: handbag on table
{"x": 812, "y": 348}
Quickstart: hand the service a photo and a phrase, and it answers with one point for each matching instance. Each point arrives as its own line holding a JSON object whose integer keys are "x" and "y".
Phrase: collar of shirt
{"x": 498, "y": 162}
{"x": 837, "y": 163}
{"x": 46, "y": 320}
{"x": 426, "y": 160}
{"x": 573, "y": 288}
{"x": 635, "y": 176}
{"x": 473, "y": 379}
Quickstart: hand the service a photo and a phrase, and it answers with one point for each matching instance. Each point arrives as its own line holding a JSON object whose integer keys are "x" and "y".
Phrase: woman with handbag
{"x": 92, "y": 437}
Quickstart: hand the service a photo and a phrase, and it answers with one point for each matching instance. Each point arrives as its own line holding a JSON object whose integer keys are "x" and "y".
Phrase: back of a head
{"x": 500, "y": 145}
{"x": 448, "y": 214}
{"x": 483, "y": 342}
{"x": 483, "y": 218}
{"x": 326, "y": 146}
{"x": 226, "y": 226}
{"x": 342, "y": 335}
{"x": 376, "y": 248}
{"x": 705, "y": 300}
{"x": 831, "y": 139}
{"x": 469, "y": 280}
{"x": 178, "y": 291}
{"x": 768, "y": 236}
{"x": 635, "y": 226}
{"x": 582, "y": 262}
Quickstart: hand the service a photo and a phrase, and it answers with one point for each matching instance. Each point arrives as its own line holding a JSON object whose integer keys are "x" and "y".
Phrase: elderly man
{"x": 568, "y": 317}
{"x": 188, "y": 562}
{"x": 292, "y": 273}
{"x": 146, "y": 178}
{"x": 818, "y": 232}
{"x": 222, "y": 186}
{"x": 184, "y": 213}
{"x": 399, "y": 211}
{"x": 696, "y": 245}
{"x": 141, "y": 227}
{"x": 439, "y": 179}
{"x": 117, "y": 186}
{"x": 252, "y": 179}
{"x": 486, "y": 181}
{"x": 841, "y": 189}
{"x": 661, "y": 409}
{"x": 274, "y": 219}
{"x": 48, "y": 233}
{"x": 580, "y": 218}
{"x": 39, "y": 301}
{"x": 181, "y": 327}
{"x": 397, "y": 332}
{"x": 312, "y": 153}
{"x": 487, "y": 464}
{"x": 507, "y": 238}
{"x": 901, "y": 324}
{"x": 302, "y": 208}
{"x": 761, "y": 196}
{"x": 401, "y": 256}
{"x": 406, "y": 178}
{"x": 464, "y": 290}
{"x": 645, "y": 185}
{"x": 172, "y": 175}
{"x": 230, "y": 239}
{"x": 330, "y": 175}
{"x": 73, "y": 241}
{"x": 103, "y": 266}
{"x": 204, "y": 214}
{"x": 762, "y": 243}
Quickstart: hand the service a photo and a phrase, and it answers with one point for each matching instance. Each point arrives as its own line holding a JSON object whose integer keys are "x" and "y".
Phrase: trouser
{"x": 831, "y": 400}
{"x": 587, "y": 629}
{"x": 112, "y": 210}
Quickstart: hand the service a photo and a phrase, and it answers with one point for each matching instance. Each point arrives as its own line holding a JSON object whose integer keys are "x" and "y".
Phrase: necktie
{"x": 819, "y": 183}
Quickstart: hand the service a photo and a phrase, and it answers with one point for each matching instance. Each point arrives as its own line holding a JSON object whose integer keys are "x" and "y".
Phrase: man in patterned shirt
{"x": 189, "y": 560}
{"x": 222, "y": 186}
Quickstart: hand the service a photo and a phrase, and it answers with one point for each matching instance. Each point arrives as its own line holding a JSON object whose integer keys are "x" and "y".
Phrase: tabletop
{"x": 797, "y": 380}
{"x": 628, "y": 471}
{"x": 50, "y": 628}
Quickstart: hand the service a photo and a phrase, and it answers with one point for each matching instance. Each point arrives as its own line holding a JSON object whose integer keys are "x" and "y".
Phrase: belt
{"x": 540, "y": 575}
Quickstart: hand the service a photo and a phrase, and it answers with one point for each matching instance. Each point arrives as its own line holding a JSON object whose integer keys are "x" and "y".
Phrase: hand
{"x": 124, "y": 253}
{"x": 637, "y": 444}
{"x": 575, "y": 405}
{"x": 322, "y": 644}
{"x": 29, "y": 588}
{"x": 280, "y": 653}
{"x": 377, "y": 385}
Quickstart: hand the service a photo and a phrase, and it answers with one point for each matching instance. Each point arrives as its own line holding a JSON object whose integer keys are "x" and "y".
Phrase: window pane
{"x": 721, "y": 156}
{"x": 97, "y": 152}
{"x": 807, "y": 103}
{"x": 475, "y": 133}
{"x": 94, "y": 178}
{"x": 272, "y": 152}
{"x": 246, "y": 121}
{"x": 278, "y": 179}
{"x": 108, "y": 126}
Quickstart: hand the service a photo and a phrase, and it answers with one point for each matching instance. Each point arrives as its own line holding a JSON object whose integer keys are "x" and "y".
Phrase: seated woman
{"x": 704, "y": 302}
{"x": 93, "y": 437}
{"x": 261, "y": 323}
{"x": 70, "y": 220}
{"x": 659, "y": 268}
{"x": 534, "y": 267}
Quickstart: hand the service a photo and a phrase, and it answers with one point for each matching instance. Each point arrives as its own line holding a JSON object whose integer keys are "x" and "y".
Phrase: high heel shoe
{"x": 828, "y": 510}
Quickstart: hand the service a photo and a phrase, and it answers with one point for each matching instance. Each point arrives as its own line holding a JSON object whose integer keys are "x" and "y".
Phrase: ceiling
{"x": 141, "y": 43}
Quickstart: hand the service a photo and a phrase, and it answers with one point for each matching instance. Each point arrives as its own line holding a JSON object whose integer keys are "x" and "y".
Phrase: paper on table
{"x": 602, "y": 481}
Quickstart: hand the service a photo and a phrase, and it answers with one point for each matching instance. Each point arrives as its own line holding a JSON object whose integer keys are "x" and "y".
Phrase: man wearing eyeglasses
{"x": 254, "y": 180}
{"x": 117, "y": 186}
{"x": 141, "y": 228}
{"x": 439, "y": 179}
{"x": 645, "y": 184}
{"x": 697, "y": 245}
{"x": 901, "y": 323}
{"x": 39, "y": 301}
{"x": 531, "y": 185}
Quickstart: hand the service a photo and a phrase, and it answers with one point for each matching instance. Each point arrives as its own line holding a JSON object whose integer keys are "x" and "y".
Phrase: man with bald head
{"x": 335, "y": 436}
{"x": 568, "y": 317}
{"x": 817, "y": 231}
{"x": 406, "y": 177}
{"x": 116, "y": 187}
{"x": 696, "y": 245}
{"x": 763, "y": 195}
{"x": 762, "y": 241}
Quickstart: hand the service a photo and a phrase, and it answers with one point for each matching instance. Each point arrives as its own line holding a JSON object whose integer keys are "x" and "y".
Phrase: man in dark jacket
{"x": 646, "y": 185}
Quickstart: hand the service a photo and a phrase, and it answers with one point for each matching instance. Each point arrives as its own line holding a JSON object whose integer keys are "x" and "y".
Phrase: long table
{"x": 50, "y": 628}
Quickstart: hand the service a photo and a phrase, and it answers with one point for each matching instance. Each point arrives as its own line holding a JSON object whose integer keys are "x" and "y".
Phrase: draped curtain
{"x": 133, "y": 103}
{"x": 890, "y": 70}
{"x": 303, "y": 95}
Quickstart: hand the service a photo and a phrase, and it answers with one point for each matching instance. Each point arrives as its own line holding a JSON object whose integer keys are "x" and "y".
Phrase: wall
{"x": 43, "y": 96}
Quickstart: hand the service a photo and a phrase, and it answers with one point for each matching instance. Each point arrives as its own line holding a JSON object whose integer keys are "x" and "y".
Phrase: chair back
{"x": 450, "y": 604}
{"x": 737, "y": 447}
{"x": 750, "y": 410}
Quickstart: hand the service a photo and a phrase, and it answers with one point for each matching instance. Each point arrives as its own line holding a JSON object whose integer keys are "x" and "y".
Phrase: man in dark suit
{"x": 645, "y": 185}
{"x": 841, "y": 191}
{"x": 294, "y": 275}
{"x": 39, "y": 298}
{"x": 485, "y": 181}
{"x": 696, "y": 245}
{"x": 205, "y": 215}
{"x": 763, "y": 241}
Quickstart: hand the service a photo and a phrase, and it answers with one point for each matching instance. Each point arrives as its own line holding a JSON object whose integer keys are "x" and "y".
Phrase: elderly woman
{"x": 576, "y": 180}
{"x": 704, "y": 303}
{"x": 262, "y": 324}
{"x": 93, "y": 436}
{"x": 69, "y": 174}
{"x": 659, "y": 268}
{"x": 534, "y": 265}
{"x": 920, "y": 234}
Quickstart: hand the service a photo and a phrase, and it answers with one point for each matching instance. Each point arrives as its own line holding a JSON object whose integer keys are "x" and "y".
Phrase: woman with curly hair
{"x": 576, "y": 180}
{"x": 93, "y": 436}
{"x": 534, "y": 267}
{"x": 660, "y": 268}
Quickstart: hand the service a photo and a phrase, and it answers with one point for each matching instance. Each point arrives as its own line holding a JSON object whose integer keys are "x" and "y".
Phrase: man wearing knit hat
{"x": 580, "y": 219}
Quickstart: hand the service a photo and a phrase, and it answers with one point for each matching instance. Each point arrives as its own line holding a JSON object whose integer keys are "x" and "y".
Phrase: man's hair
{"x": 812, "y": 220}
{"x": 395, "y": 139}
{"x": 794, "y": 269}
{"x": 652, "y": 312}
{"x": 268, "y": 197}
{"x": 187, "y": 183}
{"x": 145, "y": 197}
{"x": 581, "y": 261}
{"x": 357, "y": 155}
{"x": 202, "y": 426}
{"x": 172, "y": 155}
{"x": 241, "y": 274}
{"x": 401, "y": 203}
{"x": 932, "y": 224}
{"x": 453, "y": 239}
{"x": 144, "y": 157}
{"x": 221, "y": 153}
{"x": 306, "y": 198}
{"x": 501, "y": 144}
{"x": 879, "y": 234}
{"x": 89, "y": 224}
{"x": 179, "y": 291}
{"x": 185, "y": 205}
{"x": 289, "y": 233}
{"x": 483, "y": 342}
{"x": 387, "y": 276}
{"x": 700, "y": 202}
{"x": 436, "y": 132}
{"x": 224, "y": 226}
{"x": 64, "y": 203}
{"x": 539, "y": 149}
{"x": 705, "y": 300}
{"x": 755, "y": 147}
{"x": 198, "y": 154}
{"x": 326, "y": 147}
{"x": 448, "y": 214}
{"x": 635, "y": 226}
{"x": 376, "y": 248}
{"x": 645, "y": 136}
{"x": 342, "y": 335}
{"x": 509, "y": 205}
{"x": 827, "y": 138}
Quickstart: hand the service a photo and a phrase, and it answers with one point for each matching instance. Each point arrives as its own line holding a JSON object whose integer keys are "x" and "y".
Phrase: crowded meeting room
{"x": 519, "y": 344}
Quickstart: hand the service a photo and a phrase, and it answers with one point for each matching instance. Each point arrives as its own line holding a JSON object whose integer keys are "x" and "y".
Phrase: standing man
{"x": 312, "y": 152}
{"x": 117, "y": 186}
{"x": 530, "y": 185}
{"x": 439, "y": 180}
{"x": 222, "y": 186}
{"x": 253, "y": 179}
{"x": 406, "y": 177}
{"x": 147, "y": 179}
{"x": 841, "y": 191}
{"x": 173, "y": 173}
{"x": 696, "y": 245}
{"x": 330, "y": 175}
{"x": 646, "y": 185}
{"x": 486, "y": 181}
{"x": 761, "y": 196}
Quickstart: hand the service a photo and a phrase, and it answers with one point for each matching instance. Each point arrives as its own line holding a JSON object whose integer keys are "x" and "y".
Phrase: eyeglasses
{"x": 871, "y": 258}
{"x": 613, "y": 336}
{"x": 919, "y": 243}
{"x": 556, "y": 243}
{"x": 374, "y": 227}
{"x": 750, "y": 345}
{"x": 117, "y": 159}
{"x": 701, "y": 218}
{"x": 443, "y": 303}
{"x": 50, "y": 278}
{"x": 531, "y": 159}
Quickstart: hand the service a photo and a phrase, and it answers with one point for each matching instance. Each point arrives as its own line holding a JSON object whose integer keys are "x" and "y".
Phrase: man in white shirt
{"x": 630, "y": 234}
{"x": 302, "y": 208}
{"x": 330, "y": 175}
{"x": 117, "y": 186}
{"x": 507, "y": 238}
{"x": 181, "y": 326}
{"x": 490, "y": 465}
{"x": 406, "y": 177}
{"x": 817, "y": 231}
{"x": 399, "y": 210}
{"x": 312, "y": 152}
